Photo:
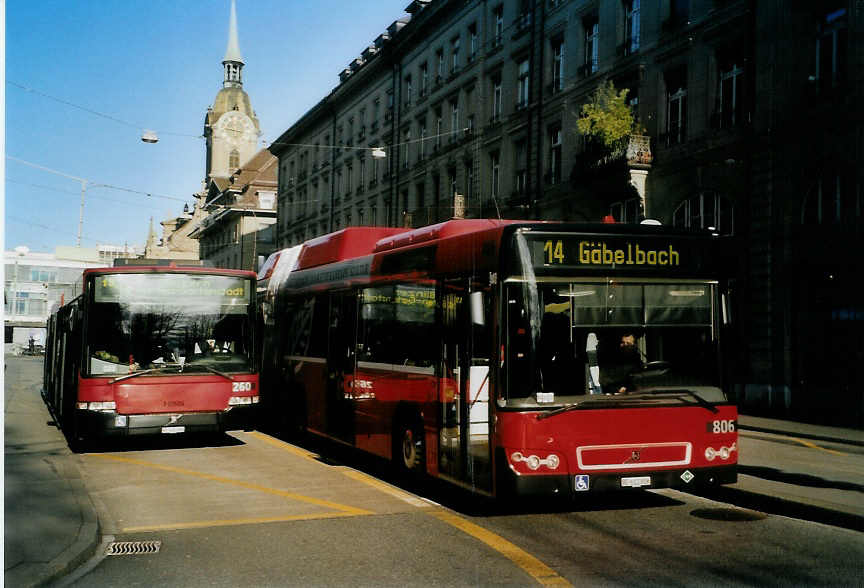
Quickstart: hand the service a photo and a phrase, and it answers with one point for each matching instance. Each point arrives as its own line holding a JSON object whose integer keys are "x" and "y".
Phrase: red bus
{"x": 508, "y": 357}
{"x": 153, "y": 350}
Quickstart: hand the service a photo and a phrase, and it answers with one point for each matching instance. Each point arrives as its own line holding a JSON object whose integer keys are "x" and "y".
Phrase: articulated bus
{"x": 508, "y": 357}
{"x": 153, "y": 350}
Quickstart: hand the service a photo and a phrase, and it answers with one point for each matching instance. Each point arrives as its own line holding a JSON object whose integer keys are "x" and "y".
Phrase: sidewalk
{"x": 50, "y": 522}
{"x": 51, "y": 525}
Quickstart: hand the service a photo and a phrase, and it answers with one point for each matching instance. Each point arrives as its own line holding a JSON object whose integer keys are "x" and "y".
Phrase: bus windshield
{"x": 613, "y": 339}
{"x": 168, "y": 323}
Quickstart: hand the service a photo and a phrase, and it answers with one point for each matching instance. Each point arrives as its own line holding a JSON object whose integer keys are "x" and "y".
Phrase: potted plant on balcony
{"x": 611, "y": 130}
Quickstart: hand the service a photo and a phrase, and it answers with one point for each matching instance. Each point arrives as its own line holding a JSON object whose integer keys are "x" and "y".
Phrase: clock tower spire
{"x": 231, "y": 128}
{"x": 233, "y": 61}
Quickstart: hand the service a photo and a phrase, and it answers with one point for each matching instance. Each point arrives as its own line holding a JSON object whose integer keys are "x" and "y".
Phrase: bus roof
{"x": 170, "y": 270}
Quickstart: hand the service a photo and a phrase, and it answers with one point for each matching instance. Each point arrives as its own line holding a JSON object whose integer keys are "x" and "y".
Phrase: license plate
{"x": 636, "y": 482}
{"x": 173, "y": 429}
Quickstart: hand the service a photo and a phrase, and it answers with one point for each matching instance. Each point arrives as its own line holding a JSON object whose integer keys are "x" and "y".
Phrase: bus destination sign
{"x": 550, "y": 251}
{"x": 149, "y": 288}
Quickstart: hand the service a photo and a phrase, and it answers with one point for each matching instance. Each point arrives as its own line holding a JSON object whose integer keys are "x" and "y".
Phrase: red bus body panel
{"x": 619, "y": 440}
{"x": 166, "y": 394}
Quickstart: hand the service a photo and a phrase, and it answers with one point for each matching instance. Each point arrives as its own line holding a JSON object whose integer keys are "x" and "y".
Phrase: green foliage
{"x": 607, "y": 116}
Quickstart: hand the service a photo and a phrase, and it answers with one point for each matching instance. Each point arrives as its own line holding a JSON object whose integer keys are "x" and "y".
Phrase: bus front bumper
{"x": 574, "y": 485}
{"x": 95, "y": 424}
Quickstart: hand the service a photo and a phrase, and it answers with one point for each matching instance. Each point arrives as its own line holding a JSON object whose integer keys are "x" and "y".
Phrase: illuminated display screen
{"x": 636, "y": 253}
{"x": 177, "y": 289}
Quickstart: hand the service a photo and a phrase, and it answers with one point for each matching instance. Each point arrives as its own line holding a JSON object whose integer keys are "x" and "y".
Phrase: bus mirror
{"x": 477, "y": 314}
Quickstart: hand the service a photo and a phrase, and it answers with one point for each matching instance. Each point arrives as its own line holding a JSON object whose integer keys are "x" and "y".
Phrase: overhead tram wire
{"x": 51, "y": 189}
{"x": 93, "y": 184}
{"x": 96, "y": 112}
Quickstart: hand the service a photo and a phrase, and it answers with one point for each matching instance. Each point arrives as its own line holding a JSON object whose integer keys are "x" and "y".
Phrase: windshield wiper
{"x": 142, "y": 372}
{"x": 699, "y": 400}
{"x": 217, "y": 372}
{"x": 562, "y": 410}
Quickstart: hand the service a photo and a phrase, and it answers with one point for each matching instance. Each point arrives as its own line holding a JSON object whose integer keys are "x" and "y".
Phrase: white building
{"x": 37, "y": 283}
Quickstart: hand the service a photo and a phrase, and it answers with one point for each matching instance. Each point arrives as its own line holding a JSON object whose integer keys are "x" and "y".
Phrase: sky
{"x": 85, "y": 78}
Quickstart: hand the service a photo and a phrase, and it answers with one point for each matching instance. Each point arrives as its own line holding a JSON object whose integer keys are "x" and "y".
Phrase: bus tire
{"x": 409, "y": 448}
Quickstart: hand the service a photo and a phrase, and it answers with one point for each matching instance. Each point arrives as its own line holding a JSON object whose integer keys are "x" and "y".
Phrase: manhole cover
{"x": 727, "y": 514}
{"x": 133, "y": 547}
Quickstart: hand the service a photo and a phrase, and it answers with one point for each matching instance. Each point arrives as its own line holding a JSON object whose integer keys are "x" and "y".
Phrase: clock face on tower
{"x": 234, "y": 128}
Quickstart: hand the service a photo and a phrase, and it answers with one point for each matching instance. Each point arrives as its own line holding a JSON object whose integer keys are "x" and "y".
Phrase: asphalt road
{"x": 252, "y": 510}
{"x": 249, "y": 509}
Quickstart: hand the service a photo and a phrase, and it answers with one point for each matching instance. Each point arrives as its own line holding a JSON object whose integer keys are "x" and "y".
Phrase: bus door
{"x": 341, "y": 358}
{"x": 463, "y": 451}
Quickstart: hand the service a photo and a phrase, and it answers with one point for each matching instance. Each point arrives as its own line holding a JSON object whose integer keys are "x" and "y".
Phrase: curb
{"x": 86, "y": 541}
{"x": 801, "y": 435}
{"x": 783, "y": 507}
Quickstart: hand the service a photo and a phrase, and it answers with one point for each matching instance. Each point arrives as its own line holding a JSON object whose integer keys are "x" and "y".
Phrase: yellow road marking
{"x": 544, "y": 575}
{"x": 284, "y": 446}
{"x": 814, "y": 446}
{"x": 231, "y": 522}
{"x": 285, "y": 494}
{"x": 353, "y": 474}
{"x": 386, "y": 488}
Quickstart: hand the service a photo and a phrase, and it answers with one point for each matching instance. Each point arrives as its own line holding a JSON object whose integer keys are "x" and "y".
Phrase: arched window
{"x": 233, "y": 159}
{"x": 706, "y": 210}
{"x": 835, "y": 198}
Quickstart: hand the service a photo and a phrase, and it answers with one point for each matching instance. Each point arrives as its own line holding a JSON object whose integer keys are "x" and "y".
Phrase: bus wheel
{"x": 409, "y": 448}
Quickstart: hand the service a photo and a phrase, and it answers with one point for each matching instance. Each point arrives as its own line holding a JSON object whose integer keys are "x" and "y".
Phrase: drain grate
{"x": 133, "y": 547}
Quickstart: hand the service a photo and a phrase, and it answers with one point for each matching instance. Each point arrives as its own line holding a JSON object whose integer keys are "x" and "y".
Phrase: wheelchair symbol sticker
{"x": 581, "y": 483}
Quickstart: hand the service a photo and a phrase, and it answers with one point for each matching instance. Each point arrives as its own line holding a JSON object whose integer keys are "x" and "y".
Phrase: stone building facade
{"x": 747, "y": 126}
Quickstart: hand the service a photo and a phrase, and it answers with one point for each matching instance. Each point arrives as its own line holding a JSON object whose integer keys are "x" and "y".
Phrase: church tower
{"x": 231, "y": 128}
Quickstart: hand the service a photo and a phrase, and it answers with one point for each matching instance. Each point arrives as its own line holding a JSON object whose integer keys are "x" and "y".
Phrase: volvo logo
{"x": 634, "y": 457}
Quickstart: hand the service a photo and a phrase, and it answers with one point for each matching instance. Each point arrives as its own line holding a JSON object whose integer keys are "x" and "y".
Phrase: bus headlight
{"x": 535, "y": 462}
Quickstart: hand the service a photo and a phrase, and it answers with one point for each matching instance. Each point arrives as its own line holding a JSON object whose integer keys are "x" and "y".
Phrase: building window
{"x": 731, "y": 95}
{"x": 439, "y": 57}
{"x": 499, "y": 24}
{"x": 439, "y": 127}
{"x": 454, "y": 120}
{"x": 707, "y": 210}
{"x": 422, "y": 154}
{"x": 233, "y": 160}
{"x": 496, "y": 173}
{"x": 469, "y": 180}
{"x": 628, "y": 211}
{"x": 424, "y": 78}
{"x": 454, "y": 54}
{"x": 831, "y": 48}
{"x": 554, "y": 168}
{"x": 520, "y": 179}
{"x": 833, "y": 200}
{"x": 473, "y": 41}
{"x": 405, "y": 145}
{"x": 631, "y": 26}
{"x": 522, "y": 87}
{"x": 676, "y": 105}
{"x": 409, "y": 88}
{"x": 592, "y": 44}
{"x": 557, "y": 65}
{"x": 496, "y": 97}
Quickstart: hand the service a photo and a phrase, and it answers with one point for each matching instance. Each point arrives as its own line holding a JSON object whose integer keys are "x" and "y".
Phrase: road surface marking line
{"x": 814, "y": 446}
{"x": 233, "y": 522}
{"x": 544, "y": 575}
{"x": 285, "y": 446}
{"x": 386, "y": 488}
{"x": 285, "y": 494}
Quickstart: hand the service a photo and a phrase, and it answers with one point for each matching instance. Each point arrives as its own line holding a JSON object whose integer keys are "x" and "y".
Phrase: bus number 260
{"x": 241, "y": 386}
